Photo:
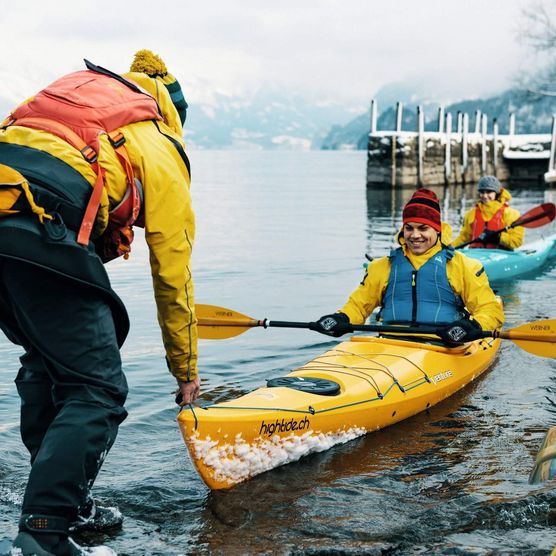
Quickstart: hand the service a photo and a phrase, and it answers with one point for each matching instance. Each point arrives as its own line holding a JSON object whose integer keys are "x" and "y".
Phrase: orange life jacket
{"x": 78, "y": 108}
{"x": 494, "y": 224}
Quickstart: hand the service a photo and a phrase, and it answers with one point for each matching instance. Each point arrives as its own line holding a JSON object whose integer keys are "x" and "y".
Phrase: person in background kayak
{"x": 423, "y": 281}
{"x": 56, "y": 300}
{"x": 489, "y": 215}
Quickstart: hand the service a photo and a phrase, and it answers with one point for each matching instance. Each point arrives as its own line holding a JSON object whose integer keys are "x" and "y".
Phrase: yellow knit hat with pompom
{"x": 150, "y": 63}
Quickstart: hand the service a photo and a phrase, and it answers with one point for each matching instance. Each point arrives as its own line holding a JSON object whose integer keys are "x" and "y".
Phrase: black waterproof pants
{"x": 71, "y": 383}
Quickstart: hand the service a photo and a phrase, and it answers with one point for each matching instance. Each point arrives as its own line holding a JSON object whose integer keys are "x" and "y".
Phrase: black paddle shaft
{"x": 385, "y": 329}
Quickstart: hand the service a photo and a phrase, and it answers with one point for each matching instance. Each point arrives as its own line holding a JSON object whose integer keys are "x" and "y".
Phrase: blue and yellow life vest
{"x": 422, "y": 296}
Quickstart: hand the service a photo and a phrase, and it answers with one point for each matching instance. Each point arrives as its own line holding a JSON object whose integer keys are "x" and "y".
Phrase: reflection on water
{"x": 283, "y": 235}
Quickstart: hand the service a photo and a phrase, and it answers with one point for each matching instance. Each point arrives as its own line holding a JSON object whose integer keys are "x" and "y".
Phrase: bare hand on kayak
{"x": 188, "y": 392}
{"x": 460, "y": 331}
{"x": 332, "y": 325}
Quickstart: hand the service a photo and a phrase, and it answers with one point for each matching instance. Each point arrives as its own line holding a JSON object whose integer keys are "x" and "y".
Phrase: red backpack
{"x": 78, "y": 108}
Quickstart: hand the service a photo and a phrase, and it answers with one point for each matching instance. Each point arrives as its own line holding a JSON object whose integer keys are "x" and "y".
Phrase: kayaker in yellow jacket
{"x": 55, "y": 297}
{"x": 489, "y": 215}
{"x": 422, "y": 282}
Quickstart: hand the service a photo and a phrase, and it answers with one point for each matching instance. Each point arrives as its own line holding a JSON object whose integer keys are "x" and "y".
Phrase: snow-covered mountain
{"x": 533, "y": 114}
{"x": 267, "y": 119}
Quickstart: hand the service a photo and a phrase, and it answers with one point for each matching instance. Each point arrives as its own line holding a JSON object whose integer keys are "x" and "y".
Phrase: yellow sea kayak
{"x": 360, "y": 386}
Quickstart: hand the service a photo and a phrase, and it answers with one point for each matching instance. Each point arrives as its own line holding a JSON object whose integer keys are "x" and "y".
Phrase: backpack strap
{"x": 127, "y": 212}
{"x": 92, "y": 207}
{"x": 58, "y": 129}
{"x": 117, "y": 140}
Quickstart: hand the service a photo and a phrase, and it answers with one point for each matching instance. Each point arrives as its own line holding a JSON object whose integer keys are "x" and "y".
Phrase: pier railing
{"x": 399, "y": 158}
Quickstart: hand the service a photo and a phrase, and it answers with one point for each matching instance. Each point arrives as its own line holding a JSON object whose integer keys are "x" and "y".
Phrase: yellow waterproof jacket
{"x": 169, "y": 219}
{"x": 512, "y": 239}
{"x": 465, "y": 275}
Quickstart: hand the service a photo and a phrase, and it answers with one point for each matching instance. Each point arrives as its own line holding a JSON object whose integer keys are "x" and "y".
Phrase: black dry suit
{"x": 56, "y": 302}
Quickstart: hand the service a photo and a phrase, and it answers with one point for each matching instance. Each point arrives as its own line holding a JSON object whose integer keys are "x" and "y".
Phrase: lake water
{"x": 283, "y": 235}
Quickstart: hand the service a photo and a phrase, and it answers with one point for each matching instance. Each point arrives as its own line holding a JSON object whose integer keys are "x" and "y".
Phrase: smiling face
{"x": 486, "y": 196}
{"x": 419, "y": 237}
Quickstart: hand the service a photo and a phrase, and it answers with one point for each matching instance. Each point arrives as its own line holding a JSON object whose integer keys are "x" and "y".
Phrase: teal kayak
{"x": 506, "y": 265}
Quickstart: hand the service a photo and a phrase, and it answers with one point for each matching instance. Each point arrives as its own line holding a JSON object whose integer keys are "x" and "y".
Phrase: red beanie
{"x": 423, "y": 207}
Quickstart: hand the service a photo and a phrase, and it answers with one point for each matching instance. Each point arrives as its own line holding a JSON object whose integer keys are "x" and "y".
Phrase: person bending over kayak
{"x": 81, "y": 162}
{"x": 490, "y": 214}
{"x": 422, "y": 282}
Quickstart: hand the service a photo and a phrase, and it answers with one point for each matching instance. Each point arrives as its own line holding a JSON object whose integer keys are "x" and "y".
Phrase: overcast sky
{"x": 332, "y": 49}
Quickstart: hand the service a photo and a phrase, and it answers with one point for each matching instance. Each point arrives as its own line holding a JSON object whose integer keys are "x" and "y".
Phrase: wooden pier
{"x": 455, "y": 154}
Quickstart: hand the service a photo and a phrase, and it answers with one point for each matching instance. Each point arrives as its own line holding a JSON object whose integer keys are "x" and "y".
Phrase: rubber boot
{"x": 45, "y": 544}
{"x": 46, "y": 535}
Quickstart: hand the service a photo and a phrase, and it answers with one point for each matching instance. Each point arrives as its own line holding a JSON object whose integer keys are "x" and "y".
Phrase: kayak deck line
{"x": 335, "y": 369}
{"x": 315, "y": 366}
{"x": 310, "y": 411}
{"x": 384, "y": 368}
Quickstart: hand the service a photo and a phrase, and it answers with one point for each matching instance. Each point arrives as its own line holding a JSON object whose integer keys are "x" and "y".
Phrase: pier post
{"x": 478, "y": 121}
{"x": 511, "y": 130}
{"x": 440, "y": 119}
{"x": 374, "y": 114}
{"x": 394, "y": 139}
{"x": 399, "y": 112}
{"x": 552, "y": 145}
{"x": 484, "y": 124}
{"x": 420, "y": 145}
{"x": 464, "y": 145}
{"x": 448, "y": 149}
{"x": 495, "y": 146}
{"x": 459, "y": 124}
